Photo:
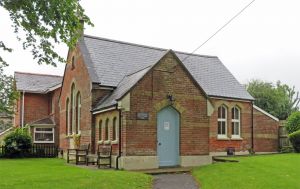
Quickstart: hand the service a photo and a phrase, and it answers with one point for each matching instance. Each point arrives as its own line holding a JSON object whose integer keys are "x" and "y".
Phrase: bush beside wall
{"x": 295, "y": 140}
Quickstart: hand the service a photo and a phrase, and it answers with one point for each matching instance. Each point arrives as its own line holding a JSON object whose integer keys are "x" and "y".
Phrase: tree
{"x": 278, "y": 99}
{"x": 8, "y": 94}
{"x": 293, "y": 122}
{"x": 39, "y": 25}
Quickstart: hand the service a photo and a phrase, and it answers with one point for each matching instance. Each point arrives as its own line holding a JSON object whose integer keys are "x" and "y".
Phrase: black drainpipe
{"x": 252, "y": 128}
{"x": 120, "y": 140}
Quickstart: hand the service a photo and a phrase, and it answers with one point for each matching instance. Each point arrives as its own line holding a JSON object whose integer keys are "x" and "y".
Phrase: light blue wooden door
{"x": 168, "y": 137}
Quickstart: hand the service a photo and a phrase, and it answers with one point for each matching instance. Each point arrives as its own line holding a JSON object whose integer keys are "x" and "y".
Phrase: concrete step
{"x": 168, "y": 170}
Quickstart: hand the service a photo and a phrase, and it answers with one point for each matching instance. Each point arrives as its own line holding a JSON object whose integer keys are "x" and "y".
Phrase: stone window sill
{"x": 100, "y": 142}
{"x": 107, "y": 142}
{"x": 114, "y": 142}
{"x": 236, "y": 138}
{"x": 222, "y": 138}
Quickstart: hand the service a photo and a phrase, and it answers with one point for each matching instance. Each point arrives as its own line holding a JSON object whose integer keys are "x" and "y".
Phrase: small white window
{"x": 43, "y": 135}
{"x": 106, "y": 131}
{"x": 100, "y": 131}
{"x": 115, "y": 129}
{"x": 235, "y": 122}
{"x": 222, "y": 122}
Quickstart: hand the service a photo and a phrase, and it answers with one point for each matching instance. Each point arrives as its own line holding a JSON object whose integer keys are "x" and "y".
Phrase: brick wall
{"x": 36, "y": 106}
{"x": 110, "y": 115}
{"x": 220, "y": 145}
{"x": 149, "y": 95}
{"x": 80, "y": 77}
{"x": 265, "y": 133}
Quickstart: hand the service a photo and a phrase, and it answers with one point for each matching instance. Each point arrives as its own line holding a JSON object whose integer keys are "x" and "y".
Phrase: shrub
{"x": 18, "y": 143}
{"x": 295, "y": 140}
{"x": 293, "y": 122}
{"x": 287, "y": 149}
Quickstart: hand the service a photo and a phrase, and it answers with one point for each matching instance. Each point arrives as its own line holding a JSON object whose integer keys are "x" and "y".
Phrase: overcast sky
{"x": 263, "y": 42}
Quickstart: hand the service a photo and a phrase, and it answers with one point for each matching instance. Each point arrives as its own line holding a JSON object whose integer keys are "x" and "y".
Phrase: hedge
{"x": 295, "y": 140}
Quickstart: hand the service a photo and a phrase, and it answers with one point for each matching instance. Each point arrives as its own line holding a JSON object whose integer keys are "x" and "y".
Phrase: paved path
{"x": 174, "y": 181}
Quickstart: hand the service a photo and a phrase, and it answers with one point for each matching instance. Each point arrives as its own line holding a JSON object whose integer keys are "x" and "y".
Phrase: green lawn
{"x": 56, "y": 174}
{"x": 256, "y": 172}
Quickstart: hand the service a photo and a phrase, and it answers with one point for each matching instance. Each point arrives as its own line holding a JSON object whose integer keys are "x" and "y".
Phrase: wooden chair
{"x": 80, "y": 153}
{"x": 103, "y": 153}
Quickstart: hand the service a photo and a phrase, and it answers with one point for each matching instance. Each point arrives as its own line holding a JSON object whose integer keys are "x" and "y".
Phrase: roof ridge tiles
{"x": 39, "y": 74}
{"x": 146, "y": 46}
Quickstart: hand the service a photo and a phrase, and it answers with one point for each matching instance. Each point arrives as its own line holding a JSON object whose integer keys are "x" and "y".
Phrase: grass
{"x": 259, "y": 172}
{"x": 55, "y": 174}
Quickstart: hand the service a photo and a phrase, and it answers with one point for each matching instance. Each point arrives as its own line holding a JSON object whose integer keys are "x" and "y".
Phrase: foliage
{"x": 8, "y": 94}
{"x": 295, "y": 140}
{"x": 40, "y": 24}
{"x": 259, "y": 172}
{"x": 287, "y": 149}
{"x": 76, "y": 139}
{"x": 18, "y": 143}
{"x": 293, "y": 122}
{"x": 49, "y": 173}
{"x": 278, "y": 99}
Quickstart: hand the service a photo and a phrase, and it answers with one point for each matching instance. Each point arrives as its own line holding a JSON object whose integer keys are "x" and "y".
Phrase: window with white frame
{"x": 68, "y": 131}
{"x": 100, "y": 131}
{"x": 43, "y": 135}
{"x": 106, "y": 130}
{"x": 115, "y": 130}
{"x": 222, "y": 122}
{"x": 73, "y": 109}
{"x": 235, "y": 122}
{"x": 78, "y": 112}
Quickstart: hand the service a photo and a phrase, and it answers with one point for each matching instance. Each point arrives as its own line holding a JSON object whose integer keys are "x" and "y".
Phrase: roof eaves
{"x": 266, "y": 113}
{"x": 231, "y": 98}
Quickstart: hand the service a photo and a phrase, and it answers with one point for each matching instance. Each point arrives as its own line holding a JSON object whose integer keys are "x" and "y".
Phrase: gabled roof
{"x": 123, "y": 87}
{"x": 109, "y": 61}
{"x": 37, "y": 83}
{"x": 45, "y": 121}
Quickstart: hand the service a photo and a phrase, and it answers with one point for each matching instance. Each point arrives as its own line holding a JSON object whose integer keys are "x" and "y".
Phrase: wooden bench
{"x": 103, "y": 153}
{"x": 79, "y": 154}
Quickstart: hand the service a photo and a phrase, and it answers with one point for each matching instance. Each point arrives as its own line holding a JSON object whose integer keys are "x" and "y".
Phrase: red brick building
{"x": 37, "y": 105}
{"x": 158, "y": 107}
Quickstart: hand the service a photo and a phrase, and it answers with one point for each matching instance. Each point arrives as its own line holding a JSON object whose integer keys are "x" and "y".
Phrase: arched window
{"x": 73, "y": 114}
{"x": 100, "y": 131}
{"x": 106, "y": 130}
{"x": 222, "y": 121}
{"x": 67, "y": 117}
{"x": 235, "y": 122}
{"x": 115, "y": 130}
{"x": 78, "y": 112}
{"x": 73, "y": 63}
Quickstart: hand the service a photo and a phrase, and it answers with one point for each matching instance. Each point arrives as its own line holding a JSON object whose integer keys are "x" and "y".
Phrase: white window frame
{"x": 222, "y": 136}
{"x": 78, "y": 101}
{"x": 116, "y": 129}
{"x": 236, "y": 121}
{"x": 100, "y": 133}
{"x": 73, "y": 106}
{"x": 68, "y": 122}
{"x": 35, "y": 131}
{"x": 107, "y": 140}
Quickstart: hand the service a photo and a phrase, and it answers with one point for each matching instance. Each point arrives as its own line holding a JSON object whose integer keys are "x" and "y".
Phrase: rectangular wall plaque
{"x": 142, "y": 115}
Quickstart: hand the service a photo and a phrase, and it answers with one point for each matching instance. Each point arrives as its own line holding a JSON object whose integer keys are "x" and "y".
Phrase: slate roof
{"x": 108, "y": 61}
{"x": 36, "y": 83}
{"x": 44, "y": 121}
{"x": 123, "y": 87}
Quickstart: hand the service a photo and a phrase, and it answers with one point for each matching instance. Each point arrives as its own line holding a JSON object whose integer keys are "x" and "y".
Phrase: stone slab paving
{"x": 174, "y": 181}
